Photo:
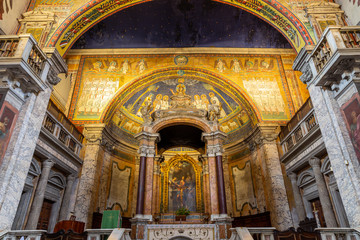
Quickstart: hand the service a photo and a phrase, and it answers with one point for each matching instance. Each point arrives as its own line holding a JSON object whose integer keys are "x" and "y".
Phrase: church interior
{"x": 180, "y": 119}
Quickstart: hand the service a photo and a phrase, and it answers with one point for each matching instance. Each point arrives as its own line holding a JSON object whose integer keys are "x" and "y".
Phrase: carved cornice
{"x": 217, "y": 135}
{"x": 93, "y": 133}
{"x": 150, "y": 137}
{"x": 264, "y": 134}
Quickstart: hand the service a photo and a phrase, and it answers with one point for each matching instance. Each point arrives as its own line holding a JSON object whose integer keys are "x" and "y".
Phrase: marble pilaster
{"x": 256, "y": 160}
{"x": 206, "y": 186}
{"x": 340, "y": 150}
{"x": 19, "y": 154}
{"x": 227, "y": 184}
{"x": 36, "y": 206}
{"x": 297, "y": 196}
{"x": 323, "y": 193}
{"x": 104, "y": 177}
{"x": 65, "y": 206}
{"x": 276, "y": 192}
{"x": 84, "y": 199}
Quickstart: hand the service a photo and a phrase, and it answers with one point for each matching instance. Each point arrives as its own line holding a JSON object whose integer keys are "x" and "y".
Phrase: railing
{"x": 298, "y": 127}
{"x": 255, "y": 233}
{"x": 338, "y": 233}
{"x": 23, "y": 51}
{"x": 89, "y": 234}
{"x": 23, "y": 235}
{"x": 8, "y": 47}
{"x": 301, "y": 131}
{"x": 53, "y": 126}
{"x": 336, "y": 44}
{"x": 98, "y": 234}
{"x": 350, "y": 36}
{"x": 103, "y": 234}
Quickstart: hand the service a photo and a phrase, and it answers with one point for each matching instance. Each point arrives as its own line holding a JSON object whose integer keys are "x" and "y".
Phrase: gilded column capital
{"x": 93, "y": 133}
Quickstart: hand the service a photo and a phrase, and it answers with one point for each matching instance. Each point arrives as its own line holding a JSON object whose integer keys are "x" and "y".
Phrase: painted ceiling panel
{"x": 182, "y": 23}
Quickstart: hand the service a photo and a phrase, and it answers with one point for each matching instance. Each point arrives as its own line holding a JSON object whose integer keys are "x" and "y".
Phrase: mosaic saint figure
{"x": 147, "y": 102}
{"x": 125, "y": 67}
{"x": 157, "y": 103}
{"x": 165, "y": 102}
{"x": 141, "y": 66}
{"x": 235, "y": 65}
{"x": 112, "y": 66}
{"x": 220, "y": 65}
{"x": 180, "y": 90}
{"x": 215, "y": 100}
{"x": 204, "y": 102}
{"x": 197, "y": 102}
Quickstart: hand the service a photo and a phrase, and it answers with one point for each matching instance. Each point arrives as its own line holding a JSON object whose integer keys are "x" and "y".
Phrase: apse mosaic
{"x": 247, "y": 89}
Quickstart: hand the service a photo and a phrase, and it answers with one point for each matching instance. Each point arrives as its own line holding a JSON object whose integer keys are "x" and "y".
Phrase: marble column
{"x": 275, "y": 190}
{"x": 65, "y": 206}
{"x": 221, "y": 184}
{"x": 36, "y": 206}
{"x": 84, "y": 200}
{"x": 323, "y": 193}
{"x": 297, "y": 196}
{"x": 214, "y": 150}
{"x": 147, "y": 151}
{"x": 141, "y": 186}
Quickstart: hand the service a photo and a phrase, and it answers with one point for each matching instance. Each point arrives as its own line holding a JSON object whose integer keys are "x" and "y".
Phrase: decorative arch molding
{"x": 94, "y": 11}
{"x": 229, "y": 88}
{"x": 326, "y": 166}
{"x": 181, "y": 120}
{"x": 35, "y": 168}
{"x": 305, "y": 178}
{"x": 57, "y": 179}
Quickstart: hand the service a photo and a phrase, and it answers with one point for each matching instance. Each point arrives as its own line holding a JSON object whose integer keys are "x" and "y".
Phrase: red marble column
{"x": 141, "y": 187}
{"x": 221, "y": 185}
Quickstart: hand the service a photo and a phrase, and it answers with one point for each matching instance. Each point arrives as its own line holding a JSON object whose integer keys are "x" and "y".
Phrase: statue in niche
{"x": 180, "y": 99}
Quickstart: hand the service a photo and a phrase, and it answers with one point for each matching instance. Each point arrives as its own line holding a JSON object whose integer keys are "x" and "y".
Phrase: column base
{"x": 138, "y": 224}
{"x": 223, "y": 224}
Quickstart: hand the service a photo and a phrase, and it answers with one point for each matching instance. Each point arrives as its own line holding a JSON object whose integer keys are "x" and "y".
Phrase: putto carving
{"x": 53, "y": 78}
{"x": 307, "y": 75}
